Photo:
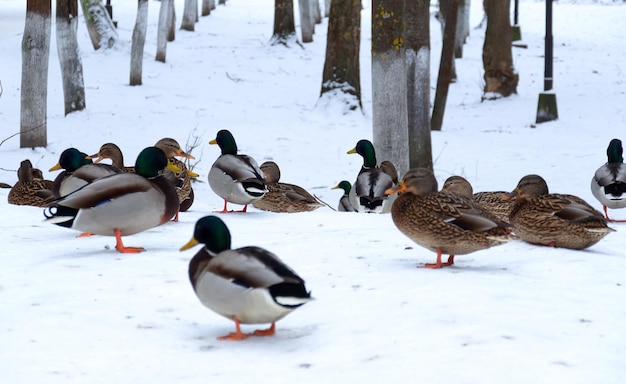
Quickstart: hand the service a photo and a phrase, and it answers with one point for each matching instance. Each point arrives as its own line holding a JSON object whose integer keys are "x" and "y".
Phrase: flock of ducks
{"x": 251, "y": 285}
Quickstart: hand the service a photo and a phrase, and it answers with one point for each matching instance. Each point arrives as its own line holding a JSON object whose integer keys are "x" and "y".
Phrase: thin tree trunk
{"x": 171, "y": 22}
{"x": 341, "y": 66}
{"x": 417, "y": 44}
{"x": 99, "y": 25}
{"x": 445, "y": 9}
{"x": 316, "y": 12}
{"x": 445, "y": 67}
{"x": 389, "y": 85}
{"x": 164, "y": 18}
{"x": 190, "y": 14}
{"x": 500, "y": 76}
{"x": 284, "y": 24}
{"x": 69, "y": 55}
{"x": 139, "y": 40}
{"x": 306, "y": 21}
{"x": 35, "y": 57}
{"x": 327, "y": 4}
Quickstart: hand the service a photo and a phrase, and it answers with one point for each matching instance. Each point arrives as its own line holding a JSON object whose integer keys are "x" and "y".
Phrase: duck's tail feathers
{"x": 60, "y": 215}
{"x": 290, "y": 295}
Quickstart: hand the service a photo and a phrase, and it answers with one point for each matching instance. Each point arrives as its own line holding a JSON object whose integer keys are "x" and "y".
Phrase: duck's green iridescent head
{"x": 226, "y": 142}
{"x": 151, "y": 161}
{"x": 212, "y": 232}
{"x": 365, "y": 148}
{"x": 71, "y": 159}
{"x": 614, "y": 151}
{"x": 345, "y": 185}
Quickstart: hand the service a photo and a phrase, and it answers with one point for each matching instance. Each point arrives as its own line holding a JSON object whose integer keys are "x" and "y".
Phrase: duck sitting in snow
{"x": 113, "y": 152}
{"x": 555, "y": 220}
{"x": 368, "y": 191}
{"x": 31, "y": 188}
{"x": 234, "y": 177}
{"x": 248, "y": 285}
{"x": 608, "y": 184}
{"x": 344, "y": 204}
{"x": 492, "y": 201}
{"x": 283, "y": 197}
{"x": 121, "y": 204}
{"x": 446, "y": 223}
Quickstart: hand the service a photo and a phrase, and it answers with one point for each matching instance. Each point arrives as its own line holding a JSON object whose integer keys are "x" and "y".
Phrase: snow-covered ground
{"x": 75, "y": 310}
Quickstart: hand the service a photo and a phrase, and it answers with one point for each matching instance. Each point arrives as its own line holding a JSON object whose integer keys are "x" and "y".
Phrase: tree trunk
{"x": 462, "y": 28}
{"x": 171, "y": 22}
{"x": 69, "y": 55}
{"x": 417, "y": 46}
{"x": 500, "y": 76}
{"x": 445, "y": 66}
{"x": 206, "y": 7}
{"x": 389, "y": 85}
{"x": 341, "y": 67}
{"x": 306, "y": 20}
{"x": 445, "y": 9}
{"x": 284, "y": 24}
{"x": 139, "y": 40}
{"x": 35, "y": 57}
{"x": 190, "y": 15}
{"x": 99, "y": 25}
{"x": 165, "y": 15}
{"x": 316, "y": 12}
{"x": 327, "y": 4}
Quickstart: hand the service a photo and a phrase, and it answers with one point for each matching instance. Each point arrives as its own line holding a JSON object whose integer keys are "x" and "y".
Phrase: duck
{"x": 445, "y": 223}
{"x": 248, "y": 285}
{"x": 79, "y": 170}
{"x": 283, "y": 197}
{"x": 114, "y": 153}
{"x": 181, "y": 180}
{"x": 121, "y": 204}
{"x": 31, "y": 188}
{"x": 491, "y": 201}
{"x": 234, "y": 177}
{"x": 608, "y": 184}
{"x": 368, "y": 191}
{"x": 555, "y": 220}
{"x": 344, "y": 204}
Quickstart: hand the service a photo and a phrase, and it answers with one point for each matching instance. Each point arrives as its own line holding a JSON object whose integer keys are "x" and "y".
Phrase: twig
{"x": 190, "y": 147}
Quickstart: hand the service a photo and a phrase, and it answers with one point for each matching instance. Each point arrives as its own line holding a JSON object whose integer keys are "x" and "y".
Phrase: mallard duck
{"x": 79, "y": 170}
{"x": 344, "y": 202}
{"x": 608, "y": 184}
{"x": 113, "y": 152}
{"x": 121, "y": 204}
{"x": 368, "y": 191}
{"x": 236, "y": 178}
{"x": 31, "y": 188}
{"x": 248, "y": 285}
{"x": 446, "y": 223}
{"x": 555, "y": 220}
{"x": 489, "y": 201}
{"x": 181, "y": 180}
{"x": 283, "y": 197}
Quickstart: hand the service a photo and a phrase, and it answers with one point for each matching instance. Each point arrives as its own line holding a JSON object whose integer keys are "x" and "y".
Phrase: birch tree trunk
{"x": 99, "y": 25}
{"x": 165, "y": 15}
{"x": 206, "y": 8}
{"x": 341, "y": 67}
{"x": 327, "y": 4}
{"x": 462, "y": 28}
{"x": 316, "y": 13}
{"x": 417, "y": 45}
{"x": 171, "y": 31}
{"x": 35, "y": 57}
{"x": 139, "y": 40}
{"x": 284, "y": 24}
{"x": 190, "y": 15}
{"x": 306, "y": 20}
{"x": 69, "y": 55}
{"x": 500, "y": 76}
{"x": 389, "y": 84}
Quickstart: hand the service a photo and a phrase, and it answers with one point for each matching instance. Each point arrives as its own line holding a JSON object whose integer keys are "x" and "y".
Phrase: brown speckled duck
{"x": 493, "y": 202}
{"x": 445, "y": 223}
{"x": 181, "y": 180}
{"x": 555, "y": 220}
{"x": 283, "y": 197}
{"x": 31, "y": 188}
{"x": 114, "y": 153}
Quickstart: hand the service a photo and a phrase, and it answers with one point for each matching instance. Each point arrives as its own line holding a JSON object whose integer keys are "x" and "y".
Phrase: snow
{"x": 75, "y": 310}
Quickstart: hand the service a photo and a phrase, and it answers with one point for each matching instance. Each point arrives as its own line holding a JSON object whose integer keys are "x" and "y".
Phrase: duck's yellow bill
{"x": 56, "y": 167}
{"x": 172, "y": 167}
{"x": 189, "y": 244}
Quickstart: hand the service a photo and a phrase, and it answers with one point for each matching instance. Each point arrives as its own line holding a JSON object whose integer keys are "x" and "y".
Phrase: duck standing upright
{"x": 344, "y": 204}
{"x": 608, "y": 184}
{"x": 234, "y": 177}
{"x": 248, "y": 285}
{"x": 121, "y": 204}
{"x": 445, "y": 223}
{"x": 368, "y": 191}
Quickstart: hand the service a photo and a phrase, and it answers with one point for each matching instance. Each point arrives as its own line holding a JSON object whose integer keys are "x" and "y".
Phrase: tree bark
{"x": 341, "y": 66}
{"x": 306, "y": 21}
{"x": 284, "y": 24}
{"x": 139, "y": 40}
{"x": 165, "y": 17}
{"x": 190, "y": 15}
{"x": 206, "y": 7}
{"x": 99, "y": 25}
{"x": 500, "y": 75}
{"x": 171, "y": 30}
{"x": 35, "y": 57}
{"x": 417, "y": 45}
{"x": 69, "y": 55}
{"x": 389, "y": 84}
{"x": 327, "y": 4}
{"x": 445, "y": 66}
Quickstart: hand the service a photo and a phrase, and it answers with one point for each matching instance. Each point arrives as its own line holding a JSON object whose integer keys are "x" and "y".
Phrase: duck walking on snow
{"x": 608, "y": 184}
{"x": 248, "y": 285}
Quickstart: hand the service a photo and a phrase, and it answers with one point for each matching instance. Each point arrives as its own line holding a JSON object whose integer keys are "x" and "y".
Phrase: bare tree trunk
{"x": 316, "y": 12}
{"x": 327, "y": 4}
{"x": 500, "y": 76}
{"x": 190, "y": 14}
{"x": 99, "y": 25}
{"x": 445, "y": 68}
{"x": 306, "y": 21}
{"x": 139, "y": 40}
{"x": 445, "y": 9}
{"x": 206, "y": 7}
{"x": 389, "y": 93}
{"x": 35, "y": 57}
{"x": 165, "y": 15}
{"x": 171, "y": 22}
{"x": 462, "y": 28}
{"x": 284, "y": 24}
{"x": 341, "y": 67}
{"x": 69, "y": 55}
{"x": 417, "y": 45}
